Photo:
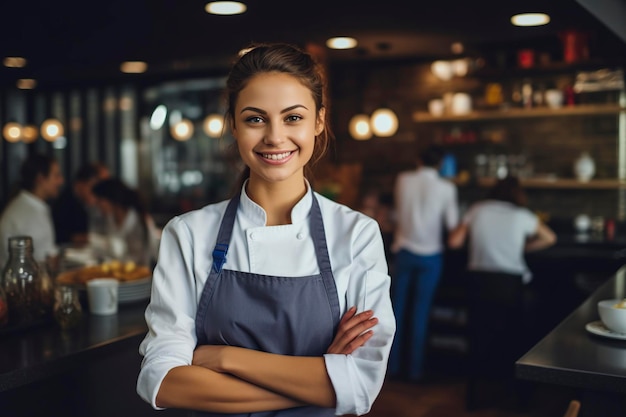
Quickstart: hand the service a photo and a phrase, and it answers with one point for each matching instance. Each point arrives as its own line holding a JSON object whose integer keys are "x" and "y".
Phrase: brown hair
{"x": 287, "y": 59}
{"x": 510, "y": 190}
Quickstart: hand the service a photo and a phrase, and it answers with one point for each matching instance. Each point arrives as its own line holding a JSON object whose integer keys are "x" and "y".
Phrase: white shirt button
{"x": 252, "y": 236}
{"x": 300, "y": 236}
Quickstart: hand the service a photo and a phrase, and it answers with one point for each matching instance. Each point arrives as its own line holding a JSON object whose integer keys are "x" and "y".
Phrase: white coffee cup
{"x": 436, "y": 107}
{"x": 102, "y": 296}
{"x": 554, "y": 98}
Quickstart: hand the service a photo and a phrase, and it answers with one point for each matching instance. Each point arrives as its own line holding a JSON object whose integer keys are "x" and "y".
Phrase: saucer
{"x": 597, "y": 327}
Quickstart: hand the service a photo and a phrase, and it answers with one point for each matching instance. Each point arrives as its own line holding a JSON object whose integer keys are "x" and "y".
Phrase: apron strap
{"x": 223, "y": 236}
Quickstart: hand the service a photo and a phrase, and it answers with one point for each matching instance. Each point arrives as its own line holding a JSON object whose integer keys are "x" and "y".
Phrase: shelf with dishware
{"x": 561, "y": 183}
{"x": 521, "y": 113}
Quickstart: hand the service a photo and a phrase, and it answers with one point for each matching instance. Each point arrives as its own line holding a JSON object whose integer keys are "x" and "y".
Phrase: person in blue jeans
{"x": 426, "y": 206}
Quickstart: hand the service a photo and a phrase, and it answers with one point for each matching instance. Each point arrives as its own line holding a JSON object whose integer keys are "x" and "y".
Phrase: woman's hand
{"x": 353, "y": 331}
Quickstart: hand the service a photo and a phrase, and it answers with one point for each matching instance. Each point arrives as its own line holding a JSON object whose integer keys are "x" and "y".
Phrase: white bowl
{"x": 613, "y": 317}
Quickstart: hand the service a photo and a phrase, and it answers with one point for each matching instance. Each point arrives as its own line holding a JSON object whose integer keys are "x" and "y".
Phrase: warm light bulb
{"x": 213, "y": 125}
{"x": 133, "y": 67}
{"x": 360, "y": 127}
{"x": 51, "y": 129}
{"x": 12, "y": 132}
{"x": 30, "y": 133}
{"x": 182, "y": 130}
{"x": 384, "y": 122}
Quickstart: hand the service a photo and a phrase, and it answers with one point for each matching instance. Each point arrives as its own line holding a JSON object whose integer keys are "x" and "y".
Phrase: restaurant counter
{"x": 90, "y": 370}
{"x": 571, "y": 356}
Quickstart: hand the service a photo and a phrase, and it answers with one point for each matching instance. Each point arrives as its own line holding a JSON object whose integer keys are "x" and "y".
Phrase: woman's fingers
{"x": 353, "y": 331}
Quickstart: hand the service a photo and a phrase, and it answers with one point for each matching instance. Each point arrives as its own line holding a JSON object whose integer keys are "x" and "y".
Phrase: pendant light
{"x": 12, "y": 132}
{"x": 213, "y": 125}
{"x": 384, "y": 122}
{"x": 359, "y": 127}
{"x": 51, "y": 129}
{"x": 182, "y": 130}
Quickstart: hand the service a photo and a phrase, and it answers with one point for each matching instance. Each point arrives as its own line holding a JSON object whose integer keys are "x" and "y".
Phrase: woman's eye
{"x": 293, "y": 118}
{"x": 254, "y": 119}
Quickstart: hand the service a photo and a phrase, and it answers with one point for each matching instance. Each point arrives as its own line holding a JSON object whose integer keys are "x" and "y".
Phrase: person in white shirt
{"x": 426, "y": 208}
{"x": 501, "y": 229}
{"x": 275, "y": 302}
{"x": 131, "y": 234}
{"x": 28, "y": 213}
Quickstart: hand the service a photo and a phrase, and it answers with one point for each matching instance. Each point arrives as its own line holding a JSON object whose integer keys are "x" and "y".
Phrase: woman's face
{"x": 275, "y": 124}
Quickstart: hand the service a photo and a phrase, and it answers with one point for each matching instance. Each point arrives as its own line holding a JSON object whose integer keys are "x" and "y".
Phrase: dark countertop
{"x": 569, "y": 355}
{"x": 595, "y": 366}
{"x": 37, "y": 353}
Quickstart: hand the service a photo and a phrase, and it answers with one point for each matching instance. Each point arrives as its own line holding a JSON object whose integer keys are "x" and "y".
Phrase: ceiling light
{"x": 51, "y": 129}
{"x": 530, "y": 19}
{"x": 182, "y": 130}
{"x": 384, "y": 122}
{"x": 12, "y": 132}
{"x": 14, "y": 62}
{"x": 360, "y": 127}
{"x": 26, "y": 83}
{"x": 225, "y": 8}
{"x": 213, "y": 125}
{"x": 342, "y": 42}
{"x": 133, "y": 67}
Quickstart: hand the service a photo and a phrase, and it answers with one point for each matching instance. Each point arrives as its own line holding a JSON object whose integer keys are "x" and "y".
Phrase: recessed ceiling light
{"x": 14, "y": 62}
{"x": 530, "y": 19}
{"x": 341, "y": 42}
{"x": 225, "y": 8}
{"x": 26, "y": 83}
{"x": 133, "y": 67}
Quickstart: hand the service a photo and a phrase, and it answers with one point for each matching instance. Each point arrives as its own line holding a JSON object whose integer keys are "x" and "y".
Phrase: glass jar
{"x": 67, "y": 309}
{"x": 21, "y": 281}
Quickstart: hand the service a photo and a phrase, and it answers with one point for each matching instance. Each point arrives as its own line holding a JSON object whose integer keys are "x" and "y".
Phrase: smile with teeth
{"x": 276, "y": 156}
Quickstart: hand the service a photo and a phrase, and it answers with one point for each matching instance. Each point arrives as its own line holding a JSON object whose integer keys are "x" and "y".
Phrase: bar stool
{"x": 494, "y": 332}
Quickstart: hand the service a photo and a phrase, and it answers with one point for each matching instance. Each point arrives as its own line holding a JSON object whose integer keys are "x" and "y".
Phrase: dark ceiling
{"x": 74, "y": 41}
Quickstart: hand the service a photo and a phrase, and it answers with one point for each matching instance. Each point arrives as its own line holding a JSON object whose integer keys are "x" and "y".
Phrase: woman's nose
{"x": 274, "y": 134}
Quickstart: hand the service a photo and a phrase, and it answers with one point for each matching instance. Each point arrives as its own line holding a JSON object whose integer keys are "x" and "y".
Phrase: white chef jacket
{"x": 357, "y": 256}
{"x": 28, "y": 215}
{"x": 497, "y": 235}
{"x": 425, "y": 204}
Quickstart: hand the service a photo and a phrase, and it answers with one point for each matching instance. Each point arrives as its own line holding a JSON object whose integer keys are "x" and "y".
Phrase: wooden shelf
{"x": 516, "y": 113}
{"x": 562, "y": 183}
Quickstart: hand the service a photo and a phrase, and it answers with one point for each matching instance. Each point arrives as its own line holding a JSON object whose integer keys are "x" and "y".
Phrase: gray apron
{"x": 285, "y": 315}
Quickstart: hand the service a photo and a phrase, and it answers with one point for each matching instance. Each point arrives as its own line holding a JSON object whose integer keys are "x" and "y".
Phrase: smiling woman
{"x": 315, "y": 324}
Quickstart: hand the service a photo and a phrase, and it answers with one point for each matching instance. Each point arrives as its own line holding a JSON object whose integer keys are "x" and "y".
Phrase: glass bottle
{"x": 4, "y": 309}
{"x": 67, "y": 309}
{"x": 21, "y": 282}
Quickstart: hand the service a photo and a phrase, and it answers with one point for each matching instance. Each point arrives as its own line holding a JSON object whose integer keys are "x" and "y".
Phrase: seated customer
{"x": 74, "y": 212}
{"x": 131, "y": 233}
{"x": 28, "y": 213}
{"x": 501, "y": 229}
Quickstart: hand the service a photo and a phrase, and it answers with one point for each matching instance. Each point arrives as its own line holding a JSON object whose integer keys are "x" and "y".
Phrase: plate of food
{"x": 135, "y": 280}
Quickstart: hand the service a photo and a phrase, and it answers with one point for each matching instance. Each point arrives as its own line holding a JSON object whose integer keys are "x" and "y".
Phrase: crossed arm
{"x": 230, "y": 379}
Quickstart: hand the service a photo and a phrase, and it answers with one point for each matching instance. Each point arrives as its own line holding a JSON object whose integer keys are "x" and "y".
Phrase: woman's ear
{"x": 320, "y": 123}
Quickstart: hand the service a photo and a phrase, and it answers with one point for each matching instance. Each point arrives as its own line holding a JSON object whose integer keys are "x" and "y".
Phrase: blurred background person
{"x": 501, "y": 229}
{"x": 75, "y": 213}
{"x": 131, "y": 232}
{"x": 426, "y": 208}
{"x": 28, "y": 213}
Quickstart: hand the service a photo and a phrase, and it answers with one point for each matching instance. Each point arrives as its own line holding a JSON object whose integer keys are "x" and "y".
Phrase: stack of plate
{"x": 135, "y": 290}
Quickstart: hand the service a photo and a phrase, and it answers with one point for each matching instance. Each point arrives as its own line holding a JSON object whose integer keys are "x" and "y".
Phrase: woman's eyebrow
{"x": 288, "y": 109}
